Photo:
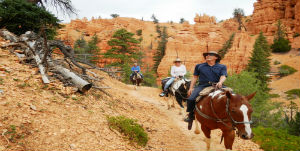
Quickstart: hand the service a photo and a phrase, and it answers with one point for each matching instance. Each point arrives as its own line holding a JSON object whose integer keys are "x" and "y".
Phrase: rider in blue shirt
{"x": 136, "y": 69}
{"x": 206, "y": 73}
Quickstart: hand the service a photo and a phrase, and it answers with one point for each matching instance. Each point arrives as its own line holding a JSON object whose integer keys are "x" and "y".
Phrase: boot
{"x": 163, "y": 94}
{"x": 190, "y": 119}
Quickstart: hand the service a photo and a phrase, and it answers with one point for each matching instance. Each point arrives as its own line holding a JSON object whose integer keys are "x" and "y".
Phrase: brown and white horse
{"x": 225, "y": 111}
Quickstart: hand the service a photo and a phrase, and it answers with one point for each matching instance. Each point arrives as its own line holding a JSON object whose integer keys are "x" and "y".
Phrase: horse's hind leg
{"x": 197, "y": 129}
{"x": 168, "y": 104}
{"x": 228, "y": 139}
{"x": 206, "y": 132}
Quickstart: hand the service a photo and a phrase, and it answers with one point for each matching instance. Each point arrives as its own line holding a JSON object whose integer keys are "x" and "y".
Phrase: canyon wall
{"x": 189, "y": 41}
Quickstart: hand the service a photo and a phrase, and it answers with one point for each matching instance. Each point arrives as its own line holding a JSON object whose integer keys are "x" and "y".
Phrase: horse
{"x": 136, "y": 79}
{"x": 226, "y": 111}
{"x": 178, "y": 90}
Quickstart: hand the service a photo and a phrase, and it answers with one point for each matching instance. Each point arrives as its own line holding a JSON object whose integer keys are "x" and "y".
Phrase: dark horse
{"x": 136, "y": 79}
{"x": 225, "y": 111}
{"x": 178, "y": 90}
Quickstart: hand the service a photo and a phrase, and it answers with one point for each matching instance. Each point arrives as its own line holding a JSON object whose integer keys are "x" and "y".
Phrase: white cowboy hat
{"x": 177, "y": 60}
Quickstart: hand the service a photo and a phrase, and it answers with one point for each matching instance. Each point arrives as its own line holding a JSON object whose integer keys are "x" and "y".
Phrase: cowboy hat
{"x": 212, "y": 52}
{"x": 177, "y": 60}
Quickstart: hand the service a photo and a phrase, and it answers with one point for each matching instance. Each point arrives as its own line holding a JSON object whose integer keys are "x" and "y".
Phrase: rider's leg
{"x": 169, "y": 82}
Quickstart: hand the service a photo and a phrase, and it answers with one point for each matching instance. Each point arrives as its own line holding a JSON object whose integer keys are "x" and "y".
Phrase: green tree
{"x": 114, "y": 15}
{"x": 88, "y": 51}
{"x": 182, "y": 20}
{"x": 19, "y": 16}
{"x": 238, "y": 14}
{"x": 155, "y": 20}
{"x": 246, "y": 83}
{"x": 259, "y": 61}
{"x": 226, "y": 46}
{"x": 124, "y": 51}
{"x": 65, "y": 6}
{"x": 280, "y": 42}
{"x": 160, "y": 52}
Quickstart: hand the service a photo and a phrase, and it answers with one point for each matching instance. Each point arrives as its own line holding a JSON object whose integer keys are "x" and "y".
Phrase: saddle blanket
{"x": 208, "y": 90}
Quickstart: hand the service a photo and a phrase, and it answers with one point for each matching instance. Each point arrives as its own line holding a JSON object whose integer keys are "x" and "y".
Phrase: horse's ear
{"x": 228, "y": 94}
{"x": 249, "y": 97}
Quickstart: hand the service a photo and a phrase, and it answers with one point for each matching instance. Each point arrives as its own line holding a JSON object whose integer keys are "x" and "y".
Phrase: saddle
{"x": 206, "y": 91}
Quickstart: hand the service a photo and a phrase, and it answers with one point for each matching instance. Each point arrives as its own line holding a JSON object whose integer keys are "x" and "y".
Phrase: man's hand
{"x": 219, "y": 85}
{"x": 190, "y": 91}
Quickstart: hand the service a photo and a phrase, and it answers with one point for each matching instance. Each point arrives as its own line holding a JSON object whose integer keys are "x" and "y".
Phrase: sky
{"x": 164, "y": 10}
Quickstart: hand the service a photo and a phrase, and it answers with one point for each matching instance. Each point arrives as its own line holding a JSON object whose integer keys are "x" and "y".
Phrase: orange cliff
{"x": 189, "y": 41}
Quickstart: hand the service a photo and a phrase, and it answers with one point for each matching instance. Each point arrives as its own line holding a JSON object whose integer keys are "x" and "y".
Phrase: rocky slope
{"x": 52, "y": 117}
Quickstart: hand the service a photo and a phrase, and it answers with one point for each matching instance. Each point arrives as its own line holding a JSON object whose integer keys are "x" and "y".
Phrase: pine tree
{"x": 89, "y": 51}
{"x": 259, "y": 61}
{"x": 160, "y": 49}
{"x": 155, "y": 20}
{"x": 226, "y": 46}
{"x": 238, "y": 14}
{"x": 19, "y": 16}
{"x": 182, "y": 20}
{"x": 123, "y": 51}
{"x": 280, "y": 42}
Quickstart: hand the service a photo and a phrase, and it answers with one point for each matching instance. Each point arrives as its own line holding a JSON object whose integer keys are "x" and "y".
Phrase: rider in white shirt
{"x": 178, "y": 70}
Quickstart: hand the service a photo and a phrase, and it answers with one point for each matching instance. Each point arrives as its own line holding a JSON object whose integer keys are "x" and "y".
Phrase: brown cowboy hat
{"x": 177, "y": 60}
{"x": 212, "y": 52}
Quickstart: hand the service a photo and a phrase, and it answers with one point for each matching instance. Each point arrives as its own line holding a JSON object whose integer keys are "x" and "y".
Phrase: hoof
{"x": 172, "y": 105}
{"x": 197, "y": 132}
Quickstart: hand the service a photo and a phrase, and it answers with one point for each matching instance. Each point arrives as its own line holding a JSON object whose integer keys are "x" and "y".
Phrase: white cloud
{"x": 164, "y": 10}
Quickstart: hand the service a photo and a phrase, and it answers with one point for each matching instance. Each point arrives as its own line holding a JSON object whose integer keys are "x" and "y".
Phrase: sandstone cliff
{"x": 189, "y": 41}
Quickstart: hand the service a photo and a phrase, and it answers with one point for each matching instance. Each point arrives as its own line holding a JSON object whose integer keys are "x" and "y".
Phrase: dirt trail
{"x": 150, "y": 95}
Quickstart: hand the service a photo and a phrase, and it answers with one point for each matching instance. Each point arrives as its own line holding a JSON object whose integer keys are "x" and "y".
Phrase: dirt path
{"x": 150, "y": 95}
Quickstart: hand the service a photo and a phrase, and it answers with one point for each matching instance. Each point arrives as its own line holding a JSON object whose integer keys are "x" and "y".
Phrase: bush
{"x": 246, "y": 83}
{"x": 286, "y": 70}
{"x": 128, "y": 127}
{"x": 276, "y": 62}
{"x": 295, "y": 125}
{"x": 19, "y": 16}
{"x": 281, "y": 45}
{"x": 292, "y": 93}
{"x": 275, "y": 140}
{"x": 274, "y": 95}
{"x": 296, "y": 35}
{"x": 139, "y": 32}
{"x": 149, "y": 79}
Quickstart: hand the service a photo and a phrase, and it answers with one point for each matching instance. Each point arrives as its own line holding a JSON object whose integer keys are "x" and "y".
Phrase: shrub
{"x": 292, "y": 93}
{"x": 114, "y": 15}
{"x": 19, "y": 16}
{"x": 286, "y": 70}
{"x": 128, "y": 127}
{"x": 276, "y": 62}
{"x": 295, "y": 125}
{"x": 149, "y": 79}
{"x": 274, "y": 95}
{"x": 275, "y": 140}
{"x": 246, "y": 83}
{"x": 296, "y": 35}
{"x": 139, "y": 32}
{"x": 281, "y": 45}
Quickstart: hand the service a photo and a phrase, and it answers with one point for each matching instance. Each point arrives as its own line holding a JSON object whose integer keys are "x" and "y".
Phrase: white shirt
{"x": 178, "y": 71}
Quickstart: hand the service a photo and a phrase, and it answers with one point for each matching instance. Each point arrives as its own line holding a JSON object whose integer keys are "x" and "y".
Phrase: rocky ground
{"x": 38, "y": 117}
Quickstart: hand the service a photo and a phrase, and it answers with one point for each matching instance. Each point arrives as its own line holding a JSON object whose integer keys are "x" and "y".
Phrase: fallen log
{"x": 81, "y": 84}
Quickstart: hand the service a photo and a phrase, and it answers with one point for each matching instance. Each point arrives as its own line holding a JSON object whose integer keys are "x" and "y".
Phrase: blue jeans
{"x": 169, "y": 83}
{"x": 191, "y": 100}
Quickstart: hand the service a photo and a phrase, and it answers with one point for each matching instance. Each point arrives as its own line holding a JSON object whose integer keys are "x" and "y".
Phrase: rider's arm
{"x": 193, "y": 82}
{"x": 138, "y": 69}
{"x": 222, "y": 77}
{"x": 184, "y": 70}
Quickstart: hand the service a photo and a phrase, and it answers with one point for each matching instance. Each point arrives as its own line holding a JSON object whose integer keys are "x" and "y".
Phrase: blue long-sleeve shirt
{"x": 137, "y": 68}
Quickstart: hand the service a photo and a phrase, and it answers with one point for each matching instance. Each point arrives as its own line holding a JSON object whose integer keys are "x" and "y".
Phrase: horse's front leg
{"x": 228, "y": 139}
{"x": 168, "y": 104}
{"x": 206, "y": 132}
{"x": 173, "y": 100}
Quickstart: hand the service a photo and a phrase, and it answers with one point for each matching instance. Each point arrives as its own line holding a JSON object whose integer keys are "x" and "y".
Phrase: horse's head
{"x": 240, "y": 111}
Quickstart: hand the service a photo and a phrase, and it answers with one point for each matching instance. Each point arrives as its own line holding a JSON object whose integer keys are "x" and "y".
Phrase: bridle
{"x": 234, "y": 123}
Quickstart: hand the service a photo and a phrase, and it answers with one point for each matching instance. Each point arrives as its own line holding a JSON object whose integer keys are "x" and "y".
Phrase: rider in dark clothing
{"x": 205, "y": 73}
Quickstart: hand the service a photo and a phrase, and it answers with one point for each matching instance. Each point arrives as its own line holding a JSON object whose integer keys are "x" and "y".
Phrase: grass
{"x": 274, "y": 95}
{"x": 275, "y": 140}
{"x": 276, "y": 62}
{"x": 23, "y": 85}
{"x": 129, "y": 128}
{"x": 286, "y": 70}
{"x": 291, "y": 94}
